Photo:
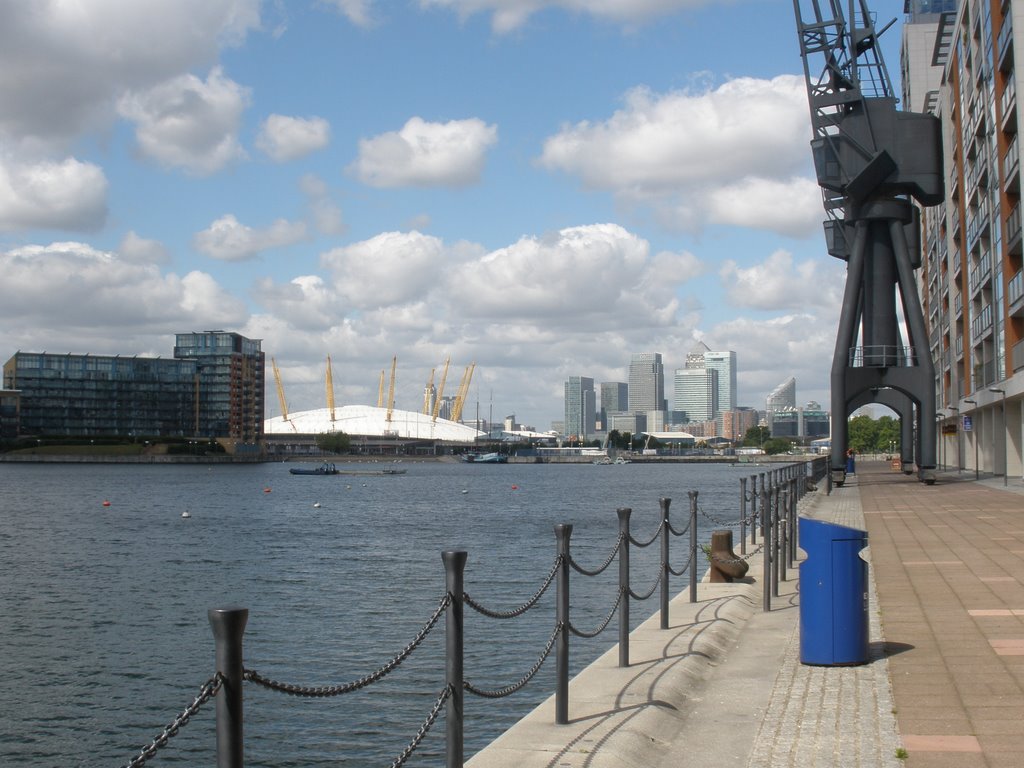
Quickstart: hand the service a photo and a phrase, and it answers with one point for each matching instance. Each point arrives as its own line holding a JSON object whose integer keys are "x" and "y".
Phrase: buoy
{"x": 515, "y": 487}
{"x": 465, "y": 491}
{"x": 106, "y": 503}
{"x": 186, "y": 513}
{"x": 348, "y": 487}
{"x": 266, "y": 490}
{"x": 316, "y": 505}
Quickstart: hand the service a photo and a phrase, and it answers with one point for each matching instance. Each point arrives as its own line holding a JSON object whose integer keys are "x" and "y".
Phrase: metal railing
{"x": 773, "y": 498}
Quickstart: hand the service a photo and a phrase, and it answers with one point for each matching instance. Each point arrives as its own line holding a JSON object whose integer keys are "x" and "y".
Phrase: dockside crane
{"x": 460, "y": 397}
{"x": 440, "y": 389}
{"x": 870, "y": 160}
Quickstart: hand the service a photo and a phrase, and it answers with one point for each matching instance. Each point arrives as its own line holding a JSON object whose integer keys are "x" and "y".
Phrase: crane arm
{"x": 460, "y": 398}
{"x": 440, "y": 389}
{"x": 330, "y": 389}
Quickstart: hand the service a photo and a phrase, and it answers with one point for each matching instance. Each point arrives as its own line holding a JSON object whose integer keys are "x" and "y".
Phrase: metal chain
{"x": 641, "y": 598}
{"x": 600, "y": 629}
{"x": 580, "y": 569}
{"x": 657, "y": 535}
{"x": 521, "y": 609}
{"x": 337, "y": 690}
{"x": 682, "y": 570}
{"x": 674, "y": 532}
{"x": 508, "y": 690}
{"x": 421, "y": 734}
{"x": 207, "y": 692}
{"x": 716, "y": 521}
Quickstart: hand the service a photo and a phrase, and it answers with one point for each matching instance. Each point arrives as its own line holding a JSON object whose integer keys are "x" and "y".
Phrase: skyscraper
{"x": 646, "y": 382}
{"x": 695, "y": 392}
{"x": 580, "y": 402}
{"x": 782, "y": 397}
{"x": 725, "y": 364}
{"x": 614, "y": 399}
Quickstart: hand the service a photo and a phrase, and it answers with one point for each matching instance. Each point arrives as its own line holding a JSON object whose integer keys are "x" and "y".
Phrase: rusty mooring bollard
{"x": 726, "y": 566}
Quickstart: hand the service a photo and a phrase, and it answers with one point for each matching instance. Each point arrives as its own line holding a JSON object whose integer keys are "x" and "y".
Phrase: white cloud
{"x": 285, "y": 138}
{"x": 780, "y": 284}
{"x": 69, "y": 195}
{"x": 511, "y": 14}
{"x": 698, "y": 156}
{"x": 356, "y": 11}
{"x": 189, "y": 123}
{"x": 139, "y": 250}
{"x": 426, "y": 154}
{"x": 86, "y": 292}
{"x": 65, "y": 64}
{"x": 228, "y": 239}
{"x": 325, "y": 213}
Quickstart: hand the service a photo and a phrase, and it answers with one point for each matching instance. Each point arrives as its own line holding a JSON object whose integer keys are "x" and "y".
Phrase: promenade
{"x": 724, "y": 687}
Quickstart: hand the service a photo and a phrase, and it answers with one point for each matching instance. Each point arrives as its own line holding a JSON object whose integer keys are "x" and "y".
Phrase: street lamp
{"x": 959, "y": 446}
{"x": 1006, "y": 432}
{"x": 975, "y": 437}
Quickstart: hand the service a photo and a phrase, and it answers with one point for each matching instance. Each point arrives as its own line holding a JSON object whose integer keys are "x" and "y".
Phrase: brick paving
{"x": 949, "y": 562}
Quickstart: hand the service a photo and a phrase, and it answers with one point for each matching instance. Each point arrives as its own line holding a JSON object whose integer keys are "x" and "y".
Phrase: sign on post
{"x": 967, "y": 423}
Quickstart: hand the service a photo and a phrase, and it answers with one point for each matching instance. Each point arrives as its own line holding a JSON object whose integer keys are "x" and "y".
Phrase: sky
{"x": 539, "y": 187}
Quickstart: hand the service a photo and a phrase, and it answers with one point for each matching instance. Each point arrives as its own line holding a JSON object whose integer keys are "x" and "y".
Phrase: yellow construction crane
{"x": 280, "y": 390}
{"x": 440, "y": 389}
{"x": 391, "y": 389}
{"x": 380, "y": 390}
{"x": 428, "y": 393}
{"x": 460, "y": 398}
{"x": 330, "y": 388}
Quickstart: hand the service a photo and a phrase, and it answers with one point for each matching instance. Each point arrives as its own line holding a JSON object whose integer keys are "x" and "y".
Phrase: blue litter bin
{"x": 833, "y": 595}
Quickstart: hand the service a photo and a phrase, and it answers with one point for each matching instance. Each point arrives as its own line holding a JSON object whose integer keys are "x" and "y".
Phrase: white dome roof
{"x": 371, "y": 422}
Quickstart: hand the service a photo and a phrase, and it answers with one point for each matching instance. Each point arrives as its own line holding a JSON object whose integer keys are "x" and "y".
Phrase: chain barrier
{"x": 207, "y": 692}
{"x": 682, "y": 570}
{"x": 421, "y": 734}
{"x": 607, "y": 621}
{"x": 508, "y": 690}
{"x": 641, "y": 598}
{"x": 580, "y": 569}
{"x": 716, "y": 521}
{"x": 657, "y": 535}
{"x": 491, "y": 614}
{"x": 324, "y": 691}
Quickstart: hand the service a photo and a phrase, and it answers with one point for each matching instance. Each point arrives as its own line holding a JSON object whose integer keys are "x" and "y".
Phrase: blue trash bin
{"x": 833, "y": 595}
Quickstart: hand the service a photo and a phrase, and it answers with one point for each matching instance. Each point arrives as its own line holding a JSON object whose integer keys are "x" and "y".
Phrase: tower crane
{"x": 870, "y": 160}
{"x": 330, "y": 389}
{"x": 460, "y": 397}
{"x": 440, "y": 389}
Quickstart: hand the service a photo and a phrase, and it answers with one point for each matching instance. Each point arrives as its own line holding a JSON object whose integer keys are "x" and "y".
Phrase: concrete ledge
{"x": 631, "y": 716}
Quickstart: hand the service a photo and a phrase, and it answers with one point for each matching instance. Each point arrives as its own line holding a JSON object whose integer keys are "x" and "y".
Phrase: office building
{"x": 614, "y": 399}
{"x": 959, "y": 62}
{"x": 736, "y": 423}
{"x": 10, "y": 403}
{"x": 646, "y": 382}
{"x": 580, "y": 407}
{"x": 695, "y": 393}
{"x": 782, "y": 397}
{"x": 725, "y": 364}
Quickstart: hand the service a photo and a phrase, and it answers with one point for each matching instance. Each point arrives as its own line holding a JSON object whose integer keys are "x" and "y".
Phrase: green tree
{"x": 756, "y": 436}
{"x": 868, "y": 435}
{"x": 776, "y": 445}
{"x": 334, "y": 442}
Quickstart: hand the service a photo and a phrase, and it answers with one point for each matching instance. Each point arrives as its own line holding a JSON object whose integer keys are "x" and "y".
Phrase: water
{"x": 103, "y": 631}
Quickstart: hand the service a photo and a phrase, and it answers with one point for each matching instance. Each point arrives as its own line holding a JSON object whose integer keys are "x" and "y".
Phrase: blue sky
{"x": 540, "y": 186}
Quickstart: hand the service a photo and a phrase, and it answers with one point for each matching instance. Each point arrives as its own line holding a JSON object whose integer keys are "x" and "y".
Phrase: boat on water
{"x": 323, "y": 469}
{"x": 485, "y": 458}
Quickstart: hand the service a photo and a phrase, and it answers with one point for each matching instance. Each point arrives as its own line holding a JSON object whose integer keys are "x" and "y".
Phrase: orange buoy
{"x": 515, "y": 487}
{"x": 106, "y": 503}
{"x": 266, "y": 490}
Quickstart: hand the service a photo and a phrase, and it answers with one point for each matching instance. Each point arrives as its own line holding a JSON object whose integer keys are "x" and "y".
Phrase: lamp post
{"x": 976, "y": 472}
{"x": 940, "y": 439}
{"x": 1006, "y": 433}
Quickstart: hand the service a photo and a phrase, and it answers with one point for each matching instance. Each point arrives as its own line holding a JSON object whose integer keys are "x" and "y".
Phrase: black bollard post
{"x": 693, "y": 546}
{"x": 753, "y": 510}
{"x": 664, "y": 561}
{"x": 454, "y": 637}
{"x": 624, "y": 513}
{"x": 766, "y": 570}
{"x": 774, "y": 513}
{"x": 228, "y": 626}
{"x": 743, "y": 515}
{"x": 764, "y": 517}
{"x": 562, "y": 535}
{"x": 783, "y": 522}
